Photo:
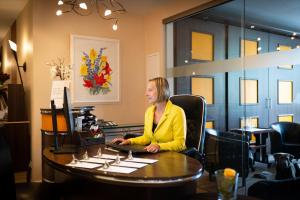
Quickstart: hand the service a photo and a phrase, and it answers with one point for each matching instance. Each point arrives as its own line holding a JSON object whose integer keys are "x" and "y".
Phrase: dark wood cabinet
{"x": 16, "y": 127}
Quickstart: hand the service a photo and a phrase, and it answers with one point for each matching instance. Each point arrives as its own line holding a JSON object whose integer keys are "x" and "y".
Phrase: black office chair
{"x": 286, "y": 138}
{"x": 226, "y": 149}
{"x": 21, "y": 191}
{"x": 195, "y": 111}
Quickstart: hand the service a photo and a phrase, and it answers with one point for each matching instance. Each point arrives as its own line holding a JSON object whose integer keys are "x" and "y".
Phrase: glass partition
{"x": 243, "y": 57}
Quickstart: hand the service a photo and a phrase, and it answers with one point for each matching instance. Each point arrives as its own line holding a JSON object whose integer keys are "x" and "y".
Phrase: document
{"x": 96, "y": 160}
{"x": 84, "y": 165}
{"x": 130, "y": 164}
{"x": 108, "y": 156}
{"x": 124, "y": 170}
{"x": 141, "y": 160}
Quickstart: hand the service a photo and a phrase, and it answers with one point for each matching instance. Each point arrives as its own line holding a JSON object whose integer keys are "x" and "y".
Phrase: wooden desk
{"x": 174, "y": 171}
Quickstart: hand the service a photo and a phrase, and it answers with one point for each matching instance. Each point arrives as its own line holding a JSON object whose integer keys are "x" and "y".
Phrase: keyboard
{"x": 135, "y": 149}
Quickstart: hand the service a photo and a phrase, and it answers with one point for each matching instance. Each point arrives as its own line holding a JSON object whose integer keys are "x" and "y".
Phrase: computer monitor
{"x": 67, "y": 108}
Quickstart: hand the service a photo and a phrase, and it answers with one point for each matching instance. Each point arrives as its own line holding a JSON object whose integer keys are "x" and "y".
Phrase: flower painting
{"x": 96, "y": 72}
{"x": 95, "y": 64}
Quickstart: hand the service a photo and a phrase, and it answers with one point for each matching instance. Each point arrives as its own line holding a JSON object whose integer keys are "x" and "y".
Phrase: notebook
{"x": 135, "y": 149}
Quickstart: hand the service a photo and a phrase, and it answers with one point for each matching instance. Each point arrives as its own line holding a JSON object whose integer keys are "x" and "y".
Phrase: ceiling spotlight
{"x": 252, "y": 26}
{"x": 258, "y": 39}
{"x": 115, "y": 26}
{"x": 83, "y": 6}
{"x": 259, "y": 49}
{"x": 292, "y": 38}
{"x": 60, "y": 2}
{"x": 58, "y": 12}
{"x": 107, "y": 12}
{"x": 294, "y": 34}
{"x": 298, "y": 46}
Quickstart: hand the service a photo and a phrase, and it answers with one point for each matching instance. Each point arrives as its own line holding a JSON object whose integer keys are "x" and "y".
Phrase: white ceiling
{"x": 9, "y": 10}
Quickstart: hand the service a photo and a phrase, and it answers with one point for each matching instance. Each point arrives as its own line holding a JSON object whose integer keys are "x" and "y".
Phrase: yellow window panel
{"x": 285, "y": 92}
{"x": 248, "y": 91}
{"x": 284, "y": 48}
{"x": 209, "y": 124}
{"x": 203, "y": 87}
{"x": 202, "y": 46}
{"x": 249, "y": 122}
{"x": 249, "y": 47}
{"x": 285, "y": 118}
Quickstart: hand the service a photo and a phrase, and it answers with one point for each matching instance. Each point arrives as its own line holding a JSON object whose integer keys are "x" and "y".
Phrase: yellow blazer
{"x": 170, "y": 131}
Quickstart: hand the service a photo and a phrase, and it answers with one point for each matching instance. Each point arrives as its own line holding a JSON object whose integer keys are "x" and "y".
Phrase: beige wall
{"x": 42, "y": 37}
{"x": 52, "y": 40}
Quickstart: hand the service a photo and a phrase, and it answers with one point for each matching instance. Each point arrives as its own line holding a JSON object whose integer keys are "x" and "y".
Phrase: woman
{"x": 165, "y": 123}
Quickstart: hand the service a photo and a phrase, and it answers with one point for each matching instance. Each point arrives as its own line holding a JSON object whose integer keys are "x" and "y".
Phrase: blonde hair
{"x": 162, "y": 86}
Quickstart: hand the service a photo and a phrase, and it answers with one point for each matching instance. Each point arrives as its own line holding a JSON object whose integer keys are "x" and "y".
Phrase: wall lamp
{"x": 13, "y": 47}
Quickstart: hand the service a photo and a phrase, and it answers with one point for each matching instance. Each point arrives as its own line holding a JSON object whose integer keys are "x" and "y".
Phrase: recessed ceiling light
{"x": 252, "y": 26}
{"x": 194, "y": 73}
{"x": 294, "y": 34}
{"x": 259, "y": 49}
{"x": 258, "y": 39}
{"x": 186, "y": 61}
{"x": 298, "y": 46}
{"x": 292, "y": 38}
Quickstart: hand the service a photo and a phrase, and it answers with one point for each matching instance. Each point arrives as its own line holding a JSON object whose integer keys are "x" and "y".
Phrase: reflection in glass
{"x": 203, "y": 87}
{"x": 202, "y": 46}
{"x": 285, "y": 92}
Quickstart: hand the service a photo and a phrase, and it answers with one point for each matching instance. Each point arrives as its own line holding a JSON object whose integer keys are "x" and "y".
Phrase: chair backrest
{"x": 226, "y": 149}
{"x": 7, "y": 181}
{"x": 195, "y": 112}
{"x": 289, "y": 131}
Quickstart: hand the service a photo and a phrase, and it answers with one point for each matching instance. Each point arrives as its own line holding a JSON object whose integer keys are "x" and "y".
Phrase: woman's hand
{"x": 153, "y": 148}
{"x": 120, "y": 141}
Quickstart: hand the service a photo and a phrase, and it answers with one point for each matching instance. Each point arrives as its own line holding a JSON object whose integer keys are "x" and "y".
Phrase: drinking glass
{"x": 227, "y": 183}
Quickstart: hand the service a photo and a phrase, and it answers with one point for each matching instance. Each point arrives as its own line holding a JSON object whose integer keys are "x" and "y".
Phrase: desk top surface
{"x": 171, "y": 169}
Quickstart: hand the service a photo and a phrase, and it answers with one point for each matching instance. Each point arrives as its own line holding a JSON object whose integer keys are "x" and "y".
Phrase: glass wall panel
{"x": 243, "y": 57}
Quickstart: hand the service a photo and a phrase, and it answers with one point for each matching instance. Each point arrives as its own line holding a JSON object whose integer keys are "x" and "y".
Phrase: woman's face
{"x": 151, "y": 92}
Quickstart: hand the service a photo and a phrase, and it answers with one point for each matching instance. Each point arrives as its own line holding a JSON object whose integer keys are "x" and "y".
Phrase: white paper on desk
{"x": 96, "y": 160}
{"x": 124, "y": 170}
{"x": 57, "y": 92}
{"x": 84, "y": 165}
{"x": 108, "y": 156}
{"x": 141, "y": 160}
{"x": 130, "y": 164}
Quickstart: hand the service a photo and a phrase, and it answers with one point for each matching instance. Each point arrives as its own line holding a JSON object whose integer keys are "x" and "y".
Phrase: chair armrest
{"x": 194, "y": 153}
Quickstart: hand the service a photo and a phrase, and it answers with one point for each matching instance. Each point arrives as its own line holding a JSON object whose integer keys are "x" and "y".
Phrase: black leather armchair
{"x": 195, "y": 111}
{"x": 276, "y": 189}
{"x": 286, "y": 138}
{"x": 226, "y": 149}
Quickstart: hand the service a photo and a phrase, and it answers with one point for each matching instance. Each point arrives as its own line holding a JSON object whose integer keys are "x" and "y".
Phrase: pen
{"x": 110, "y": 149}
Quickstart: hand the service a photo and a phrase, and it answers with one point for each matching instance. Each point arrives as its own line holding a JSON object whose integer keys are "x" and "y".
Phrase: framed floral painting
{"x": 95, "y": 64}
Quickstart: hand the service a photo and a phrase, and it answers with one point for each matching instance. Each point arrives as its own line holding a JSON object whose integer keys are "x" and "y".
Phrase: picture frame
{"x": 95, "y": 69}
